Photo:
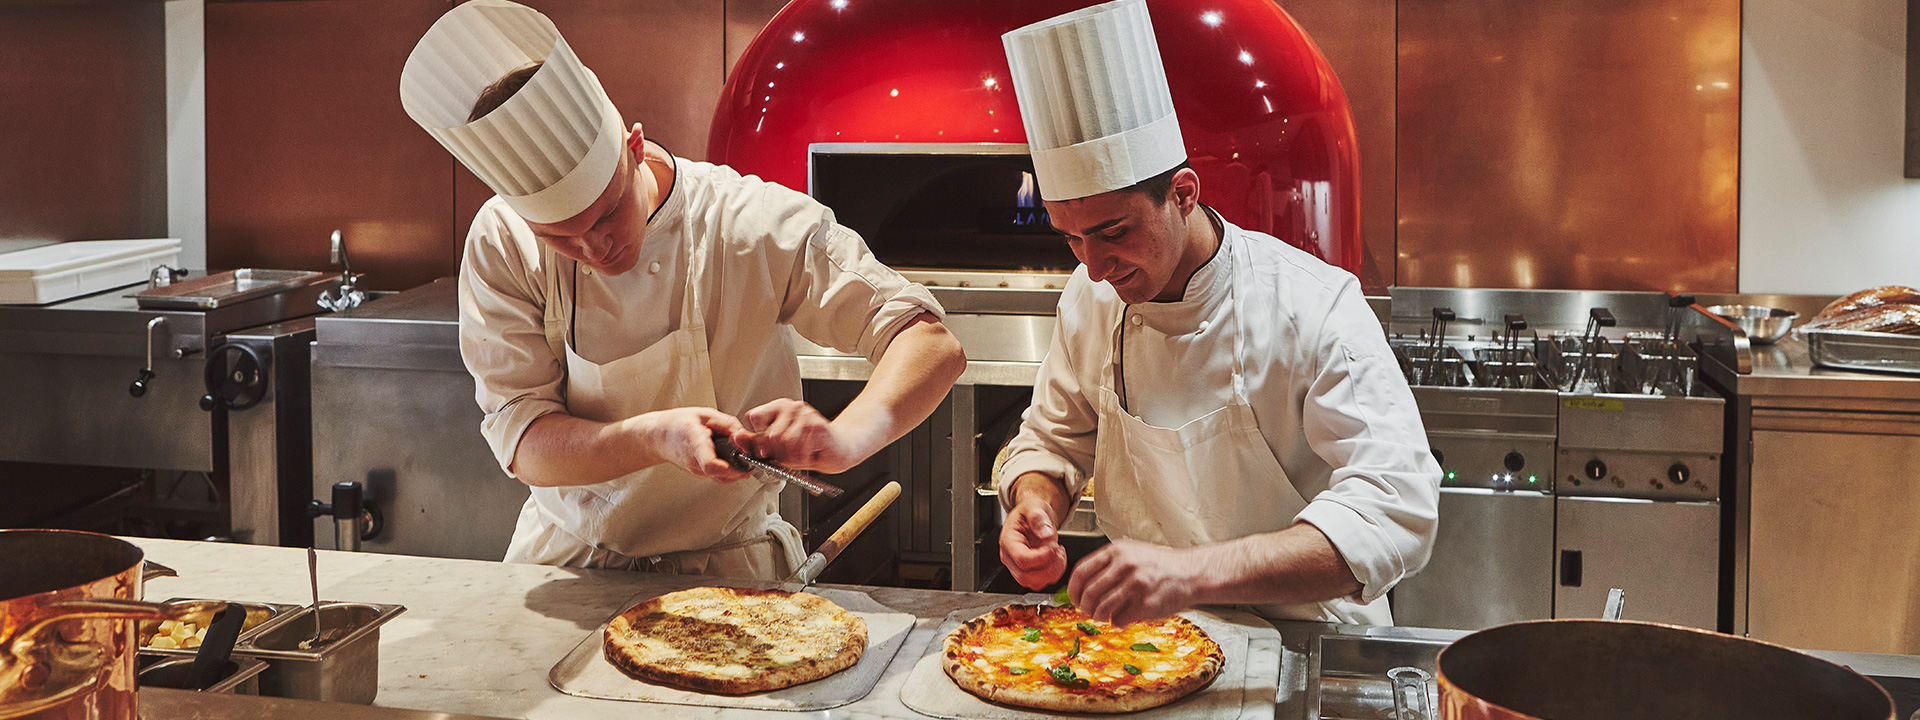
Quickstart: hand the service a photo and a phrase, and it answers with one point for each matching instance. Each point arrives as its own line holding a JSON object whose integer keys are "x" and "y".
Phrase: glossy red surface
{"x": 1266, "y": 123}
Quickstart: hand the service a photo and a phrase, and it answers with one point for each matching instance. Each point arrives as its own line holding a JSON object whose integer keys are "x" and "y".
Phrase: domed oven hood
{"x": 1266, "y": 122}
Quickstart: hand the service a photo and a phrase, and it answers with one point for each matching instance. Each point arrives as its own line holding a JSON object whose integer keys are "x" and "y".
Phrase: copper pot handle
{"x": 41, "y": 670}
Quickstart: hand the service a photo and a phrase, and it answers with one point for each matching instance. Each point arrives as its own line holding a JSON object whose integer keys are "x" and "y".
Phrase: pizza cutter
{"x": 770, "y": 471}
{"x": 809, "y": 571}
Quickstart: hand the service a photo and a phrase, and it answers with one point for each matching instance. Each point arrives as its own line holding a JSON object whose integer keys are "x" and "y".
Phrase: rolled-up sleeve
{"x": 1380, "y": 509}
{"x": 502, "y": 334}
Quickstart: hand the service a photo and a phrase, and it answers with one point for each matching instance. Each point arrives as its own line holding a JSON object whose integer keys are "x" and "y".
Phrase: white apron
{"x": 661, "y": 518}
{"x": 1208, "y": 481}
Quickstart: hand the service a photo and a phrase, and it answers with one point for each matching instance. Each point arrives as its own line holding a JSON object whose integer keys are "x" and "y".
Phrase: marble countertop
{"x": 478, "y": 638}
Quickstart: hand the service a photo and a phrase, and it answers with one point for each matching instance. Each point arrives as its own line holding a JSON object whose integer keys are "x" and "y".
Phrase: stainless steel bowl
{"x": 1762, "y": 324}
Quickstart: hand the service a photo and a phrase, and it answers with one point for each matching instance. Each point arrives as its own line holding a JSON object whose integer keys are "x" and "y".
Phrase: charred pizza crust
{"x": 999, "y": 658}
{"x": 734, "y": 641}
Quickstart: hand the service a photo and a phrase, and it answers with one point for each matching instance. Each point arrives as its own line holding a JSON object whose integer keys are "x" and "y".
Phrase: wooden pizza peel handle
{"x": 855, "y": 525}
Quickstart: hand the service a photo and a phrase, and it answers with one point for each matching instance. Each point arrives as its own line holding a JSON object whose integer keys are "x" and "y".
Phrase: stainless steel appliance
{"x": 964, "y": 220}
{"x": 1580, "y": 453}
{"x": 115, "y": 380}
{"x": 1824, "y": 536}
{"x": 393, "y": 411}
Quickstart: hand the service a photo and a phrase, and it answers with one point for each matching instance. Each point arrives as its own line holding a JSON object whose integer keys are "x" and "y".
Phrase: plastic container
{"x": 61, "y": 271}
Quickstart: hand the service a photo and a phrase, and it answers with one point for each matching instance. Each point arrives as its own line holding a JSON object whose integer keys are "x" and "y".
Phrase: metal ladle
{"x": 313, "y": 580}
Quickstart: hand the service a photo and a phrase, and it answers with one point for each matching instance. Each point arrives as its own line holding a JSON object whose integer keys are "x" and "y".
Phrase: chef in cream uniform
{"x": 619, "y": 306}
{"x": 1232, "y": 398}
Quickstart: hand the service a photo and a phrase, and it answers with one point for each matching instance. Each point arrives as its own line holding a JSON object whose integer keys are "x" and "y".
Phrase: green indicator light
{"x": 1449, "y": 476}
{"x": 1533, "y": 478}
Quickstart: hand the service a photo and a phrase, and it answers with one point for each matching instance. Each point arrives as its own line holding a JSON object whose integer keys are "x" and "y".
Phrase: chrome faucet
{"x": 348, "y": 296}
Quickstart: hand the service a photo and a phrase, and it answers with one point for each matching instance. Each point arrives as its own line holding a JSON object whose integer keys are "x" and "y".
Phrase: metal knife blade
{"x": 769, "y": 470}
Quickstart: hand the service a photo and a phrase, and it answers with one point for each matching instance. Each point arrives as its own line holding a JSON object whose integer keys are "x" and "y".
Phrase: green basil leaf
{"x": 1075, "y": 652}
{"x": 1087, "y": 628}
{"x": 1031, "y": 635}
{"x": 1144, "y": 647}
{"x": 1062, "y": 599}
{"x": 1131, "y": 669}
{"x": 1020, "y": 670}
{"x": 1063, "y": 675}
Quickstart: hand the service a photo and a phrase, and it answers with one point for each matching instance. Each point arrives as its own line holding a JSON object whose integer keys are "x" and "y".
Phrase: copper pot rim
{"x": 1440, "y": 673}
{"x": 140, "y": 556}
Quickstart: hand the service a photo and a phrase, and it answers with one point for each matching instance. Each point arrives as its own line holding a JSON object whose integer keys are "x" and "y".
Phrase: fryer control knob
{"x": 1514, "y": 461}
{"x": 1679, "y": 473}
{"x": 1596, "y": 469}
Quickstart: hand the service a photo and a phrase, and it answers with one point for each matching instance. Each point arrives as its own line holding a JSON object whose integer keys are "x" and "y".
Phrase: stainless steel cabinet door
{"x": 1666, "y": 555}
{"x": 1835, "y": 541}
{"x": 1492, "y": 563}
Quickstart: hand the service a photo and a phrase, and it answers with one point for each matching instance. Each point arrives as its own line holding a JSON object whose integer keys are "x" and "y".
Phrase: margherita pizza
{"x": 734, "y": 641}
{"x": 1060, "y": 659}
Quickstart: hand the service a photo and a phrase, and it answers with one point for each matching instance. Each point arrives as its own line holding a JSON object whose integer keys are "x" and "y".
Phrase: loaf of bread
{"x": 1868, "y": 298}
{"x": 1902, "y": 318}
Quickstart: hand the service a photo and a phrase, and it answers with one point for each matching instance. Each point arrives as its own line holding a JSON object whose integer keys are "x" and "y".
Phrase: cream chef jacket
{"x": 775, "y": 257}
{"x": 1321, "y": 381}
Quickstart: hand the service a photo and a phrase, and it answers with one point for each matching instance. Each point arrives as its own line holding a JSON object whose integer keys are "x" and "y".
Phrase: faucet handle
{"x": 338, "y": 250}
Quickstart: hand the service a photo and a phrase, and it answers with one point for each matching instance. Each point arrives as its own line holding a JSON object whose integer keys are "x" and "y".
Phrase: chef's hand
{"x": 796, "y": 435}
{"x": 684, "y": 437}
{"x": 1030, "y": 546}
{"x": 1129, "y": 581}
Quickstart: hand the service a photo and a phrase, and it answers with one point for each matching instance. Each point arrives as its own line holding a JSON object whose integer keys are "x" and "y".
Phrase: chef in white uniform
{"x": 1232, "y": 398}
{"x": 619, "y": 306}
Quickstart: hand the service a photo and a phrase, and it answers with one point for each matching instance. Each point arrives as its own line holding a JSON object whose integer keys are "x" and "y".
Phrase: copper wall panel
{"x": 305, "y": 134}
{"x": 662, "y": 62}
{"x": 1357, "y": 36}
{"x": 1589, "y": 144}
{"x": 744, "y": 20}
{"x": 82, "y": 120}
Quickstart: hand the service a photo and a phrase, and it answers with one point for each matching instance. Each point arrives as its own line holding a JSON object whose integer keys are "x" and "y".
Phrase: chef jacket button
{"x": 653, "y": 267}
{"x": 1203, "y": 325}
{"x": 1136, "y": 320}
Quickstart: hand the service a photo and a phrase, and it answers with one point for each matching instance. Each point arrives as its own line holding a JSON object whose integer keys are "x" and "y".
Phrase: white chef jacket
{"x": 1328, "y": 397}
{"x": 776, "y": 258}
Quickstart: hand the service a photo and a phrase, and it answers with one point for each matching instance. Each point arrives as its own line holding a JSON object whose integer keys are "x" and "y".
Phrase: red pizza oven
{"x": 909, "y": 101}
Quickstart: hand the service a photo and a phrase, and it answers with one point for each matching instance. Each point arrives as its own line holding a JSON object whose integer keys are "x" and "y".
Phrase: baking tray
{"x": 1856, "y": 350}
{"x": 585, "y": 672}
{"x": 1245, "y": 689}
{"x": 225, "y": 288}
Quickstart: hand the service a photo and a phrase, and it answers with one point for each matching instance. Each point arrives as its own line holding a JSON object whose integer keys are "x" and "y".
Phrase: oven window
{"x": 942, "y": 211}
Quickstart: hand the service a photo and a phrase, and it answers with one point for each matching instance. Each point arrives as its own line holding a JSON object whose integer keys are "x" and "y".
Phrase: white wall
{"x": 1824, "y": 208}
{"x": 187, "y": 129}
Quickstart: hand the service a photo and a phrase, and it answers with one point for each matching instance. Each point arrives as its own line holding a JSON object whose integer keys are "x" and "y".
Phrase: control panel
{"x": 1652, "y": 475}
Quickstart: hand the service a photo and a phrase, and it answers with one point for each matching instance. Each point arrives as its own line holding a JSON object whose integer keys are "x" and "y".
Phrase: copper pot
{"x": 66, "y": 648}
{"x": 1613, "y": 670}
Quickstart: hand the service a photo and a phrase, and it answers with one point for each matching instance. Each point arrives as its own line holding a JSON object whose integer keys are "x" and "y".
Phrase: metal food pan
{"x": 345, "y": 668}
{"x": 1856, "y": 350}
{"x": 242, "y": 676}
{"x": 276, "y": 613}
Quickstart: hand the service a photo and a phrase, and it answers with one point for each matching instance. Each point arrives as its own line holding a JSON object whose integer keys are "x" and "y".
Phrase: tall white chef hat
{"x": 551, "y": 149}
{"x": 1094, "y": 98}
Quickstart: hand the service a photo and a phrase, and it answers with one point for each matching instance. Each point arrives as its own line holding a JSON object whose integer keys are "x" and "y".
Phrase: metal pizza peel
{"x": 803, "y": 577}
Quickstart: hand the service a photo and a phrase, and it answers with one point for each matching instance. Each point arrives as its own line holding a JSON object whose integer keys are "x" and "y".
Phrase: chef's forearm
{"x": 913, "y": 376}
{"x": 560, "y": 450}
{"x": 1295, "y": 565}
